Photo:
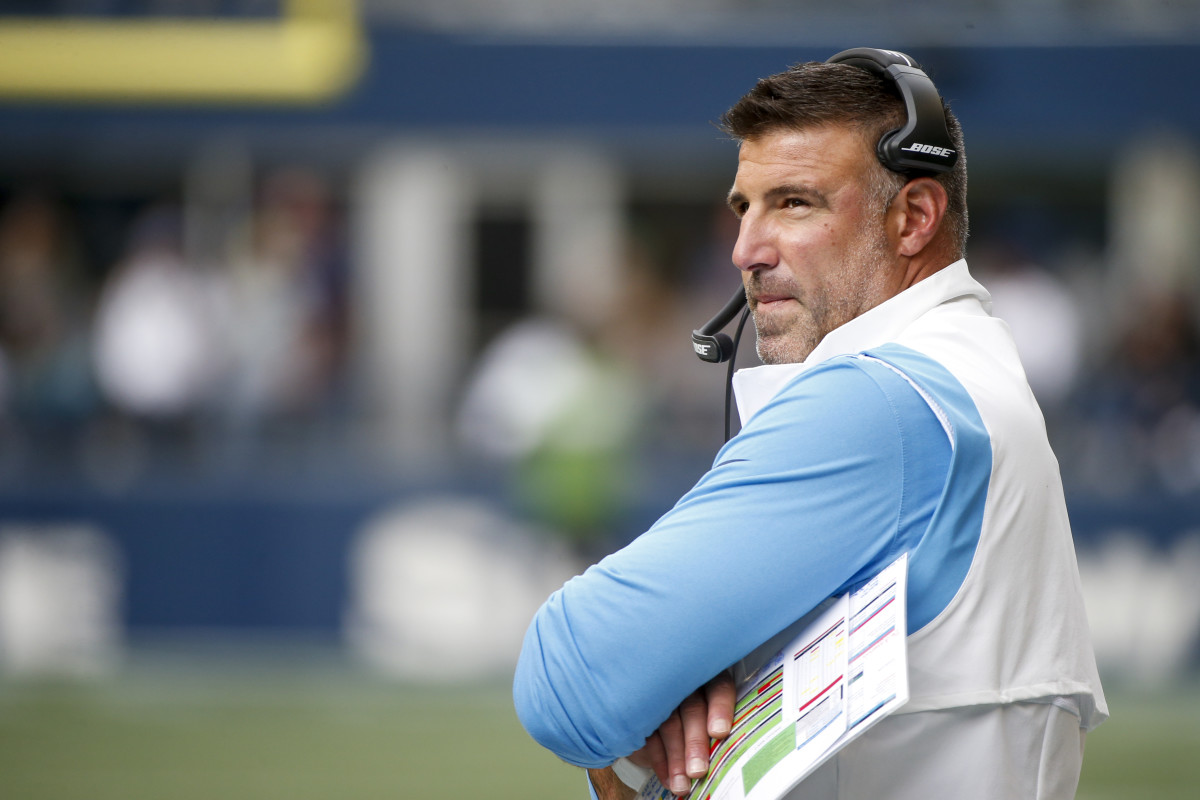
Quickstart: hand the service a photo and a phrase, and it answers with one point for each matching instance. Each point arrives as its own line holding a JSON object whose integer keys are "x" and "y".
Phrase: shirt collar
{"x": 755, "y": 386}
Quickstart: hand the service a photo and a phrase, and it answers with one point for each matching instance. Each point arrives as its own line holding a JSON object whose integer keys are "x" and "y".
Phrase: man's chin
{"x": 781, "y": 350}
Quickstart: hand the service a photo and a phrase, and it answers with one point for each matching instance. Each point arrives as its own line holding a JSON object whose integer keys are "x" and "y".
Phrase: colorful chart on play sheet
{"x": 845, "y": 671}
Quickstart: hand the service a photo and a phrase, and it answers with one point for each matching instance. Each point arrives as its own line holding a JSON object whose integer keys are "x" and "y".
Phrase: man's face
{"x": 812, "y": 245}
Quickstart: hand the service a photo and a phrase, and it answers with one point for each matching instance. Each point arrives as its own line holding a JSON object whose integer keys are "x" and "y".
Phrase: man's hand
{"x": 678, "y": 751}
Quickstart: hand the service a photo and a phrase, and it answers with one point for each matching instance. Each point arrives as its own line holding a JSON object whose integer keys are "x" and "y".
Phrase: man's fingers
{"x": 679, "y": 750}
{"x": 721, "y": 694}
{"x": 693, "y": 713}
{"x": 672, "y": 738}
{"x": 654, "y": 755}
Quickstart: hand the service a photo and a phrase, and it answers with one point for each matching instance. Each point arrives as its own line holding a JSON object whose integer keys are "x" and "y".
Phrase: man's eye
{"x": 795, "y": 202}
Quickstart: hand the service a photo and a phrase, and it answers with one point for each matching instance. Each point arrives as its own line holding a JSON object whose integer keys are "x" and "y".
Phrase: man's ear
{"x": 919, "y": 209}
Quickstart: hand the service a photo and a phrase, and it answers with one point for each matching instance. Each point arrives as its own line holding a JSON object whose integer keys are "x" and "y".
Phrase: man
{"x": 891, "y": 416}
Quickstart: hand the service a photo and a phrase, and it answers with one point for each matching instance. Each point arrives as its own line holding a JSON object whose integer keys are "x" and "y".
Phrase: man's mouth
{"x": 770, "y": 299}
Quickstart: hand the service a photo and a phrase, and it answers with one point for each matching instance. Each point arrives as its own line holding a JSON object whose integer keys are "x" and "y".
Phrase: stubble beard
{"x": 858, "y": 288}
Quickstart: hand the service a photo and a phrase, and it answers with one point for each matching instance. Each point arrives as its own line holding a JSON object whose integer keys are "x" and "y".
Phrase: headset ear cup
{"x": 922, "y": 146}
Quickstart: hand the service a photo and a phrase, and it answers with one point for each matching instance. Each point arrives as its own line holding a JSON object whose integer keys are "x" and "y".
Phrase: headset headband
{"x": 923, "y": 144}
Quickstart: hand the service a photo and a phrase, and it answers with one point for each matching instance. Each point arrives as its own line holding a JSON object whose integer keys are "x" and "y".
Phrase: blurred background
{"x": 334, "y": 336}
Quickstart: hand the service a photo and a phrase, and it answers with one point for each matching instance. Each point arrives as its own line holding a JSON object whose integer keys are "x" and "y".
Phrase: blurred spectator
{"x": 1043, "y": 314}
{"x": 43, "y": 316}
{"x": 288, "y": 302}
{"x": 563, "y": 416}
{"x": 158, "y": 329}
{"x": 1141, "y": 410}
{"x": 1155, "y": 367}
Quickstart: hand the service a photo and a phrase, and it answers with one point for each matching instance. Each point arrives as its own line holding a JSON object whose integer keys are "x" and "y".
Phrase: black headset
{"x": 922, "y": 146}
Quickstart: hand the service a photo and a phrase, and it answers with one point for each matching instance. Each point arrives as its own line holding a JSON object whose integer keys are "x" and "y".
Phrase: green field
{"x": 1149, "y": 749}
{"x": 237, "y": 734}
{"x": 208, "y": 731}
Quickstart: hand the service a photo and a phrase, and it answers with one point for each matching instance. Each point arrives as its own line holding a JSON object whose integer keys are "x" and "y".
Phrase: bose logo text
{"x": 701, "y": 349}
{"x": 917, "y": 147}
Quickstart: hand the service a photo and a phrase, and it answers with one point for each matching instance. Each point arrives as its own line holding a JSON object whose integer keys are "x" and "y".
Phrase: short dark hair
{"x": 814, "y": 94}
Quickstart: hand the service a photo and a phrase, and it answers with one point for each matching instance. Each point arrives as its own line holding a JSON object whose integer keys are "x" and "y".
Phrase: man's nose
{"x": 755, "y": 248}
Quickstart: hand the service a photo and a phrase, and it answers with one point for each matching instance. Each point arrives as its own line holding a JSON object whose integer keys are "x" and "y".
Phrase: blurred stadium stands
{"x": 240, "y": 327}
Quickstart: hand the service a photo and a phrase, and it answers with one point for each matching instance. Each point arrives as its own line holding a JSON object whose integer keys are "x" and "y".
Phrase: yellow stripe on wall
{"x": 313, "y": 53}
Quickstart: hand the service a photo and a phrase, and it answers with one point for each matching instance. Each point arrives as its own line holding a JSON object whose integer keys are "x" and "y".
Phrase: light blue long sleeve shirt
{"x": 843, "y": 470}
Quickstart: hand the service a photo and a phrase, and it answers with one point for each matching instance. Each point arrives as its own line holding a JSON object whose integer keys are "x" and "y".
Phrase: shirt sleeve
{"x": 832, "y": 480}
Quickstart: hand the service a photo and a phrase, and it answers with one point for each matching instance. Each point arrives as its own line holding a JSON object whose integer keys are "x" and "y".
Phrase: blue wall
{"x": 1041, "y": 104}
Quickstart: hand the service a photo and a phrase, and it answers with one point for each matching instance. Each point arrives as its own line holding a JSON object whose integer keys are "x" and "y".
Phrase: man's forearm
{"x": 608, "y": 786}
